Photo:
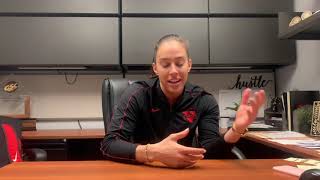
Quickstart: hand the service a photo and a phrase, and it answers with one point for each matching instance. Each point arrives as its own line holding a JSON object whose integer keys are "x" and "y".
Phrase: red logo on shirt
{"x": 189, "y": 115}
{"x": 155, "y": 110}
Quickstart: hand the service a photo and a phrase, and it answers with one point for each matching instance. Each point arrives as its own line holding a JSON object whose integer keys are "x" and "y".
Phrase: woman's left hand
{"x": 248, "y": 109}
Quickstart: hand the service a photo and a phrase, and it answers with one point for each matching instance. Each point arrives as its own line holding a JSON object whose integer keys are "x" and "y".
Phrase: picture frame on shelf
{"x": 26, "y": 109}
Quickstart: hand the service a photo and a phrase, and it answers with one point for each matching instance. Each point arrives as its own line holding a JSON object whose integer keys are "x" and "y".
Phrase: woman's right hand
{"x": 174, "y": 155}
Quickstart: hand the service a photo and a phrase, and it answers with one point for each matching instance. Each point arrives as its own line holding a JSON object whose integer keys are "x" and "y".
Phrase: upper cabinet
{"x": 141, "y": 34}
{"x": 59, "y": 6}
{"x": 58, "y": 40}
{"x": 248, "y": 41}
{"x": 165, "y": 6}
{"x": 97, "y": 32}
{"x": 250, "y": 6}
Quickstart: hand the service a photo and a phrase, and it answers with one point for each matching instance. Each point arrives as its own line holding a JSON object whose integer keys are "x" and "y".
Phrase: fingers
{"x": 250, "y": 113}
{"x": 251, "y": 104}
{"x": 192, "y": 157}
{"x": 194, "y": 151}
{"x": 257, "y": 99}
{"x": 175, "y": 155}
{"x": 179, "y": 135}
{"x": 261, "y": 97}
{"x": 188, "y": 160}
{"x": 190, "y": 154}
{"x": 245, "y": 96}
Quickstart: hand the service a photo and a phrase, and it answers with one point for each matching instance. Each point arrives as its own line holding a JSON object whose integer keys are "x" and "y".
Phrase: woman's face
{"x": 172, "y": 65}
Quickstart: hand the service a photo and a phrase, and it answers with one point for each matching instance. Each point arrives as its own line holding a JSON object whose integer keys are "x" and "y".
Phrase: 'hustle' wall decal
{"x": 253, "y": 82}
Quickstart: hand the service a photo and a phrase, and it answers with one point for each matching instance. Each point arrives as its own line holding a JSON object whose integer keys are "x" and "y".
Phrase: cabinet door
{"x": 250, "y": 6}
{"x": 248, "y": 41}
{"x": 165, "y": 6}
{"x": 141, "y": 34}
{"x": 60, "y": 6}
{"x": 58, "y": 40}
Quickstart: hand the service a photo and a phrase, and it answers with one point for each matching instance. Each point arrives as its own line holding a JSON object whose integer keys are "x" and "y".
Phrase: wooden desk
{"x": 94, "y": 170}
{"x": 63, "y": 134}
{"x": 296, "y": 150}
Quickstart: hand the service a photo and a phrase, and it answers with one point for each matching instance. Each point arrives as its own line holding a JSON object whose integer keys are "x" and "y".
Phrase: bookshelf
{"x": 308, "y": 29}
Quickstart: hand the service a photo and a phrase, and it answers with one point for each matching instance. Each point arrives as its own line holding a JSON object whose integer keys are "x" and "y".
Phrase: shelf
{"x": 308, "y": 29}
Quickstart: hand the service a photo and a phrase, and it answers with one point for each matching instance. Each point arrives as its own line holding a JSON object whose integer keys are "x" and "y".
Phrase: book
{"x": 315, "y": 122}
{"x": 289, "y": 117}
{"x": 285, "y": 125}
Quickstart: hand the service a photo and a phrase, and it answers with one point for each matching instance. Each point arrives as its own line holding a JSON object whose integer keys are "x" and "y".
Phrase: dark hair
{"x": 165, "y": 38}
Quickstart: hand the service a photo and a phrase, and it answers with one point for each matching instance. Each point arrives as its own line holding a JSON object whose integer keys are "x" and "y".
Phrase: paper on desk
{"x": 279, "y": 134}
{"x": 306, "y": 143}
{"x": 288, "y": 141}
{"x": 305, "y": 161}
{"x": 293, "y": 159}
{"x": 259, "y": 125}
{"x": 309, "y": 144}
{"x": 311, "y": 163}
{"x": 307, "y": 167}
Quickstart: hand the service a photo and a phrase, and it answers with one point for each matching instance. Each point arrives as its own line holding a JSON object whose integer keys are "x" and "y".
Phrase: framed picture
{"x": 13, "y": 99}
{"x": 23, "y": 103}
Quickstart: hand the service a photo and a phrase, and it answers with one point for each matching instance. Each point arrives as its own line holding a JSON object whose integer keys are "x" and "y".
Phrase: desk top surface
{"x": 93, "y": 170}
{"x": 297, "y": 150}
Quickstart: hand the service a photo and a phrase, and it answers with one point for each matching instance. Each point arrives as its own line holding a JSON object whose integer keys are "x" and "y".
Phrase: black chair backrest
{"x": 16, "y": 125}
{"x": 112, "y": 90}
{"x": 4, "y": 157}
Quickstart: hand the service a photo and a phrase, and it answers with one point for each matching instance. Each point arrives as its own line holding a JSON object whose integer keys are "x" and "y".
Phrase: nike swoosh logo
{"x": 155, "y": 109}
{"x": 16, "y": 157}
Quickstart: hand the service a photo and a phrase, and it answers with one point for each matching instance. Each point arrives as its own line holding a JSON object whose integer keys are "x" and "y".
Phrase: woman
{"x": 156, "y": 120}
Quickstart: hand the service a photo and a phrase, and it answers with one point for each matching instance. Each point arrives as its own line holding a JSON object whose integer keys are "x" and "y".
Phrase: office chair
{"x": 10, "y": 144}
{"x": 111, "y": 93}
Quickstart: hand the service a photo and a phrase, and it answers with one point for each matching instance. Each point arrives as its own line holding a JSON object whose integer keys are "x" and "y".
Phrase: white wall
{"x": 305, "y": 74}
{"x": 54, "y": 100}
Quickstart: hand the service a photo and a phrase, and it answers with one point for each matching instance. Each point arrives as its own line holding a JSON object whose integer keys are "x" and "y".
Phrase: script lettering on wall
{"x": 253, "y": 82}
